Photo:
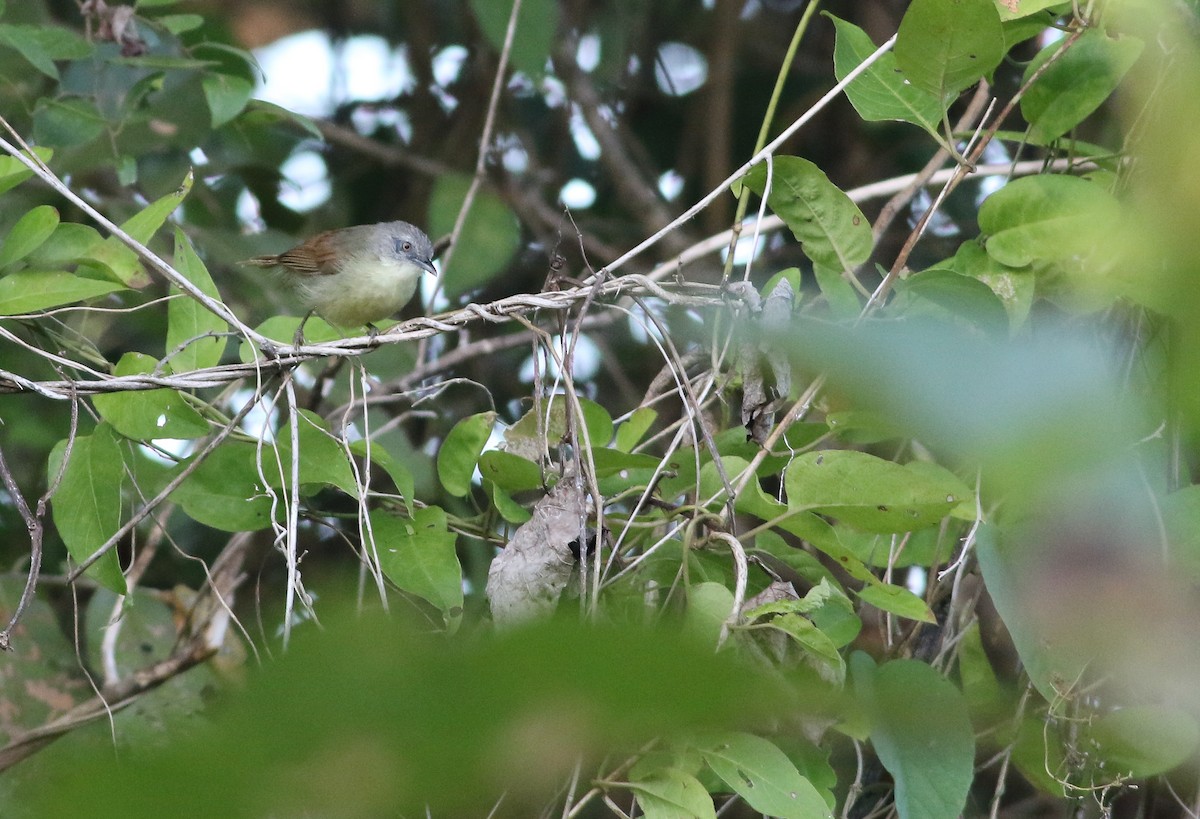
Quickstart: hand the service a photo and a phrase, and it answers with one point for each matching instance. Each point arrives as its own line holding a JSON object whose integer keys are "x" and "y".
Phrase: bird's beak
{"x": 427, "y": 266}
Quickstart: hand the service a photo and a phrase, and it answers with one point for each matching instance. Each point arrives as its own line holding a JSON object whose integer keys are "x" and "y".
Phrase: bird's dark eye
{"x": 407, "y": 246}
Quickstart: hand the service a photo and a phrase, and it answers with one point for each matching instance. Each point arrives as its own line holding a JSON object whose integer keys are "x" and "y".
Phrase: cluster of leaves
{"x": 964, "y": 414}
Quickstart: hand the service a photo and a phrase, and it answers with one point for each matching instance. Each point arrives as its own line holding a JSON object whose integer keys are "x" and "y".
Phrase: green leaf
{"x": 418, "y": 555}
{"x": 1052, "y": 662}
{"x": 868, "y": 493}
{"x": 831, "y": 228}
{"x": 87, "y": 506}
{"x": 118, "y": 259}
{"x": 180, "y": 23}
{"x": 897, "y": 600}
{"x": 819, "y": 649}
{"x": 708, "y": 607}
{"x": 511, "y": 473}
{"x": 69, "y": 243}
{"x": 13, "y": 172}
{"x": 840, "y": 295}
{"x": 143, "y": 415}
{"x": 226, "y": 95}
{"x": 188, "y": 321}
{"x": 880, "y": 92}
{"x": 283, "y": 330}
{"x": 1047, "y": 218}
{"x": 614, "y": 461}
{"x": 490, "y": 235}
{"x": 1013, "y": 286}
{"x": 1077, "y": 83}
{"x": 261, "y": 112}
{"x": 1013, "y": 9}
{"x": 28, "y": 234}
{"x": 28, "y": 291}
{"x": 537, "y": 22}
{"x": 634, "y": 428}
{"x": 945, "y": 46}
{"x": 673, "y": 794}
{"x": 508, "y": 508}
{"x": 1145, "y": 740}
{"x": 762, "y": 775}
{"x": 42, "y": 45}
{"x": 66, "y": 122}
{"x": 921, "y": 732}
{"x": 226, "y": 492}
{"x": 982, "y": 690}
{"x": 460, "y": 451}
{"x": 323, "y": 459}
{"x": 400, "y": 474}
{"x": 948, "y": 294}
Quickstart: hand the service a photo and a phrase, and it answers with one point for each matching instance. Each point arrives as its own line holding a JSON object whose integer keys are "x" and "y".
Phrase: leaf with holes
{"x": 831, "y": 229}
{"x": 762, "y": 775}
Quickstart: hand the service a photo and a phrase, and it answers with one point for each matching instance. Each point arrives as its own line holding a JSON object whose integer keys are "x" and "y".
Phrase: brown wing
{"x": 316, "y": 257}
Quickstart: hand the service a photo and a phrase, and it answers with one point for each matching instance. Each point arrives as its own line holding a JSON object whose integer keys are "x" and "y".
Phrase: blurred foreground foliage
{"x": 898, "y": 517}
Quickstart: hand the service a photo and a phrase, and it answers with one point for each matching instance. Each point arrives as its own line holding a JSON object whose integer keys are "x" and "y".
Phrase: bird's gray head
{"x": 407, "y": 243}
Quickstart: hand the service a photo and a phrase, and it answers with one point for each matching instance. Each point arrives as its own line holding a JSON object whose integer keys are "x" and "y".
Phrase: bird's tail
{"x": 260, "y": 261}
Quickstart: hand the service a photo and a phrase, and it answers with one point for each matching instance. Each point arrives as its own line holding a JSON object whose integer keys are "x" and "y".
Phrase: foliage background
{"x": 959, "y": 578}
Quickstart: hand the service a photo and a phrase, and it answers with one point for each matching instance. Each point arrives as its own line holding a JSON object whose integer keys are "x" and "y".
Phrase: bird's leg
{"x": 298, "y": 339}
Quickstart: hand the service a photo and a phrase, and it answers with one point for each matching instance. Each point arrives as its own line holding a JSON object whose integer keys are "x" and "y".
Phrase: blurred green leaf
{"x": 1145, "y": 740}
{"x": 880, "y": 92}
{"x": 489, "y": 236}
{"x": 1013, "y": 9}
{"x": 1052, "y": 664}
{"x": 1047, "y": 217}
{"x": 921, "y": 732}
{"x": 1077, "y": 84}
{"x": 143, "y": 415}
{"x": 42, "y": 45}
{"x": 418, "y": 555}
{"x": 41, "y": 672}
{"x": 180, "y": 23}
{"x": 708, "y": 607}
{"x": 66, "y": 122}
{"x": 28, "y": 234}
{"x": 537, "y": 22}
{"x": 363, "y": 718}
{"x": 830, "y": 227}
{"x": 226, "y": 95}
{"x": 87, "y": 505}
{"x": 760, "y": 773}
{"x": 28, "y": 291}
{"x": 459, "y": 453}
{"x": 1028, "y": 410}
{"x": 189, "y": 322}
{"x": 945, "y": 46}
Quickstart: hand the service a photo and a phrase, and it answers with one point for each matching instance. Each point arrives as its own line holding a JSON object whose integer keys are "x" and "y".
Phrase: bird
{"x": 355, "y": 276}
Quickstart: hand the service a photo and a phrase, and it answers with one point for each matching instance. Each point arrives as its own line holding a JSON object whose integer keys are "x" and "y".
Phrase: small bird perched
{"x": 358, "y": 275}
